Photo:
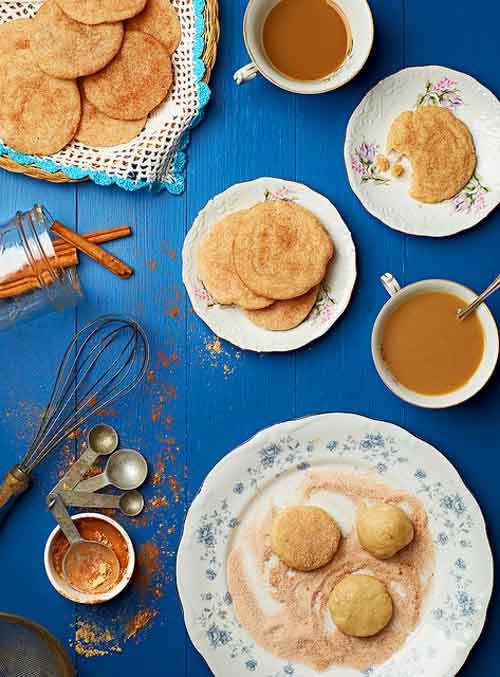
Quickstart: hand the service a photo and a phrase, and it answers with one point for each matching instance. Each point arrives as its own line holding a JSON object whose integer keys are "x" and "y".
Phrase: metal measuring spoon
{"x": 80, "y": 565}
{"x": 131, "y": 503}
{"x": 126, "y": 469}
{"x": 102, "y": 440}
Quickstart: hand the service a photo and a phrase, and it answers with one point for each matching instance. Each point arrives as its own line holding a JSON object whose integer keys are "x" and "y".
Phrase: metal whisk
{"x": 103, "y": 362}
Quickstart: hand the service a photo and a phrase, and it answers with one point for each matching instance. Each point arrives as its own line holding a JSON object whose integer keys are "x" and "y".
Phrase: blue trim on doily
{"x": 176, "y": 187}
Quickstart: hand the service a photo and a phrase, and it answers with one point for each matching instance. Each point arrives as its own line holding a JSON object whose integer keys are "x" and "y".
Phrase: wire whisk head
{"x": 104, "y": 361}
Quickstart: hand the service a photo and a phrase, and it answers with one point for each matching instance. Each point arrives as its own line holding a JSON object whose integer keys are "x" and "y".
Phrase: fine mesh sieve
{"x": 28, "y": 650}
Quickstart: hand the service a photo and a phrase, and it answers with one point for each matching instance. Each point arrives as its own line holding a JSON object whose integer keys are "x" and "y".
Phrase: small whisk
{"x": 104, "y": 361}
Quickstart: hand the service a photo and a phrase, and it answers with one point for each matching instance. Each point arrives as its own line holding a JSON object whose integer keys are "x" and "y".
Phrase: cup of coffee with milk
{"x": 306, "y": 46}
{"x": 427, "y": 345}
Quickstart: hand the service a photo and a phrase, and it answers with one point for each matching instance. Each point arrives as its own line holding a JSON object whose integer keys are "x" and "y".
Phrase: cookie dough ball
{"x": 305, "y": 537}
{"x": 360, "y": 605}
{"x": 384, "y": 530}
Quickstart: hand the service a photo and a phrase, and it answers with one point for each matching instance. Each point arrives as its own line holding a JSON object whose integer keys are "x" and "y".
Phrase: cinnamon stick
{"x": 92, "y": 250}
{"x": 97, "y": 237}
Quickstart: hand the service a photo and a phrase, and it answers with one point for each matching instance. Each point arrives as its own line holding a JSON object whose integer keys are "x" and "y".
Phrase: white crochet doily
{"x": 155, "y": 157}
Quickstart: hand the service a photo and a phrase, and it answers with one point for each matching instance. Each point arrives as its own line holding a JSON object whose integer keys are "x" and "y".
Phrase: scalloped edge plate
{"x": 230, "y": 322}
{"x": 455, "y": 608}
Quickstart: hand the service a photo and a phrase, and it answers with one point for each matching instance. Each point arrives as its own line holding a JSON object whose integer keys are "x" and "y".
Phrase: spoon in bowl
{"x": 126, "y": 469}
{"x": 88, "y": 566}
{"x": 465, "y": 312}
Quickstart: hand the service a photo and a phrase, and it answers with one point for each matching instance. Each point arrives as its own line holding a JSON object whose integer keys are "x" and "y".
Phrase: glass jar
{"x": 36, "y": 277}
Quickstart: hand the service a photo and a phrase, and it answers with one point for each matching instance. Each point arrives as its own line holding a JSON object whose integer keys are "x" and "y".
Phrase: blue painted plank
{"x": 151, "y": 419}
{"x": 335, "y": 373}
{"x": 29, "y": 356}
{"x": 249, "y": 132}
{"x": 466, "y": 434}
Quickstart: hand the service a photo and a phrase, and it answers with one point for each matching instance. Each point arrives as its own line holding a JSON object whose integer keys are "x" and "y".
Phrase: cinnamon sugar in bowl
{"x": 94, "y": 527}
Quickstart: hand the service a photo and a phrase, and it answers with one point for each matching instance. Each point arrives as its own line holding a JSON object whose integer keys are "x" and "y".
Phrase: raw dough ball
{"x": 360, "y": 605}
{"x": 305, "y": 537}
{"x": 384, "y": 530}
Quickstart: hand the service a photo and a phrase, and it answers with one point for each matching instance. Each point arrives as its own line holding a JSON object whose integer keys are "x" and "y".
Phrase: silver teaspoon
{"x": 462, "y": 314}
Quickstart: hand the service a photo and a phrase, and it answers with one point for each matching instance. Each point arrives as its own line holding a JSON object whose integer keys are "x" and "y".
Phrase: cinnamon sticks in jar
{"x": 65, "y": 256}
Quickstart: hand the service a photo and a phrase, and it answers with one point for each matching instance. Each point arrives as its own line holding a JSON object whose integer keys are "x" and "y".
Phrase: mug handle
{"x": 245, "y": 73}
{"x": 390, "y": 284}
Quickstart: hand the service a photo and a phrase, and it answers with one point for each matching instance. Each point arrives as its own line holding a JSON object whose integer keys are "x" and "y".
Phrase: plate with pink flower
{"x": 230, "y": 322}
{"x": 386, "y": 196}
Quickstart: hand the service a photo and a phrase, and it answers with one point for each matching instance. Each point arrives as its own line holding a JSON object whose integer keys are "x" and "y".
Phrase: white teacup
{"x": 360, "y": 20}
{"x": 491, "y": 343}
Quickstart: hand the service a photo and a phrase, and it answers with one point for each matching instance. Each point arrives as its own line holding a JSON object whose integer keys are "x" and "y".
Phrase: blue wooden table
{"x": 200, "y": 401}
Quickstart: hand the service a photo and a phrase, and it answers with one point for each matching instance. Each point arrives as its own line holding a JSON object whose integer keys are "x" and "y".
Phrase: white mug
{"x": 360, "y": 20}
{"x": 491, "y": 343}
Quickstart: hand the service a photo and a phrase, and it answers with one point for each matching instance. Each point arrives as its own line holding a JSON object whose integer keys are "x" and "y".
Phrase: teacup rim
{"x": 455, "y": 397}
{"x": 298, "y": 90}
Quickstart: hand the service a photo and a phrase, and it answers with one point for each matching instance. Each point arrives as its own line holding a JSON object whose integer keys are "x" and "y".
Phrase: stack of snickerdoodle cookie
{"x": 270, "y": 260}
{"x": 121, "y": 51}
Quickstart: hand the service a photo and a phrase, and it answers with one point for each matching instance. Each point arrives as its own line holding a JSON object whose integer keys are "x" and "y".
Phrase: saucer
{"x": 387, "y": 197}
{"x": 230, "y": 322}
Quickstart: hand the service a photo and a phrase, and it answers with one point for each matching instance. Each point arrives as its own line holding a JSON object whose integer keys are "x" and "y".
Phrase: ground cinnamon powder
{"x": 300, "y": 628}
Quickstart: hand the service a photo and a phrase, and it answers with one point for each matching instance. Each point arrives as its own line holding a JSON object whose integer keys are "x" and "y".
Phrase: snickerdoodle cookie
{"x": 440, "y": 148}
{"x": 283, "y": 315}
{"x": 305, "y": 537}
{"x": 39, "y": 114}
{"x": 99, "y": 130}
{"x": 98, "y": 12}
{"x": 15, "y": 37}
{"x": 281, "y": 250}
{"x": 216, "y": 267}
{"x": 159, "y": 19}
{"x": 360, "y": 605}
{"x": 384, "y": 529}
{"x": 135, "y": 82}
{"x": 67, "y": 49}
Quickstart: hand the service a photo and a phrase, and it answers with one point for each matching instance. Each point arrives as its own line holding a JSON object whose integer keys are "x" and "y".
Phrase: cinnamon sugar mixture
{"x": 296, "y": 625}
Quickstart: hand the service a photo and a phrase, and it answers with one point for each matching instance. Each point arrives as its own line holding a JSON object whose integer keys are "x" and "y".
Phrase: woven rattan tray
{"x": 211, "y": 39}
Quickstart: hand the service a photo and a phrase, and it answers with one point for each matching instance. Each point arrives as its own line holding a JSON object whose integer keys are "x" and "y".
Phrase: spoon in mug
{"x": 465, "y": 312}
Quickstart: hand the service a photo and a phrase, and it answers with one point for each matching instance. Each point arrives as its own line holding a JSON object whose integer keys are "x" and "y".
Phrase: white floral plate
{"x": 230, "y": 322}
{"x": 386, "y": 197}
{"x": 455, "y": 607}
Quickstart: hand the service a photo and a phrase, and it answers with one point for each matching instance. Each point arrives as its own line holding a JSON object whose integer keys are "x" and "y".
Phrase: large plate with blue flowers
{"x": 455, "y": 607}
{"x": 387, "y": 197}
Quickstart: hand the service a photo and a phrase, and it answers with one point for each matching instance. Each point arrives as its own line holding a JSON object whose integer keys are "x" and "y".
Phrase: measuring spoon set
{"x": 126, "y": 469}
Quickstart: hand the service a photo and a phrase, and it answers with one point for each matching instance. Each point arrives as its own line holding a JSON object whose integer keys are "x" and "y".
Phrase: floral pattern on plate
{"x": 363, "y": 163}
{"x": 455, "y": 608}
{"x": 229, "y": 322}
{"x": 409, "y": 89}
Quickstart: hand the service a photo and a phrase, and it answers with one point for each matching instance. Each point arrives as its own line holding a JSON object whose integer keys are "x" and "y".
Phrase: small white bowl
{"x": 64, "y": 589}
{"x": 491, "y": 343}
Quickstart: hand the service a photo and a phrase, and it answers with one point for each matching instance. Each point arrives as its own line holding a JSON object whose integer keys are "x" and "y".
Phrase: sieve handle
{"x": 15, "y": 483}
